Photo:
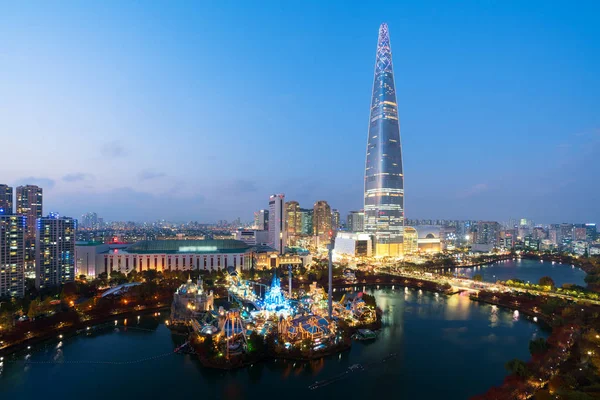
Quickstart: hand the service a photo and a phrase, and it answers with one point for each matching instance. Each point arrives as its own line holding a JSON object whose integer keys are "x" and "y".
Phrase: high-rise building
{"x": 293, "y": 219}
{"x": 384, "y": 177}
{"x": 90, "y": 221}
{"x": 591, "y": 232}
{"x": 6, "y": 200}
{"x": 277, "y": 232}
{"x": 335, "y": 219}
{"x": 356, "y": 221}
{"x": 486, "y": 235}
{"x": 261, "y": 220}
{"x": 29, "y": 204}
{"x": 321, "y": 222}
{"x": 55, "y": 251}
{"x": 306, "y": 221}
{"x": 12, "y": 255}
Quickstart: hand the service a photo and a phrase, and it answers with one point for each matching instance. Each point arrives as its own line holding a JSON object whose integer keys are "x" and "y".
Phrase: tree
{"x": 546, "y": 281}
{"x": 256, "y": 343}
{"x": 517, "y": 367}
{"x": 538, "y": 346}
{"x": 478, "y": 278}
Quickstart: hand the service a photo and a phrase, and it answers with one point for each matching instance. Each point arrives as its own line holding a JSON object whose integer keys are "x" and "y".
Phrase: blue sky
{"x": 200, "y": 110}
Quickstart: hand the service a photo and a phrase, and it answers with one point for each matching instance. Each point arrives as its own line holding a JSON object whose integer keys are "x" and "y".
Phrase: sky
{"x": 199, "y": 110}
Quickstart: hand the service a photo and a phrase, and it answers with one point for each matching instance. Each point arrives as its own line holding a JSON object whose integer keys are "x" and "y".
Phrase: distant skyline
{"x": 200, "y": 111}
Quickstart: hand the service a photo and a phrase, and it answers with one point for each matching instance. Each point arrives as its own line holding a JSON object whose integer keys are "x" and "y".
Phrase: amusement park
{"x": 262, "y": 320}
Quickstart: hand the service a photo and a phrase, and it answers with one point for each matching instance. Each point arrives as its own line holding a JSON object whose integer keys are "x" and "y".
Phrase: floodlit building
{"x": 321, "y": 222}
{"x": 428, "y": 238}
{"x": 54, "y": 251}
{"x": 261, "y": 220}
{"x": 353, "y": 244}
{"x": 12, "y": 255}
{"x": 384, "y": 177}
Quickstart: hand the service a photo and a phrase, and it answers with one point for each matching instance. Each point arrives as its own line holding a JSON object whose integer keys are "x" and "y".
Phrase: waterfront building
{"x": 384, "y": 177}
{"x": 174, "y": 255}
{"x": 261, "y": 220}
{"x": 274, "y": 301}
{"x": 353, "y": 244}
{"x": 321, "y": 222}
{"x": 87, "y": 255}
{"x": 411, "y": 241}
{"x": 29, "y": 204}
{"x": 6, "y": 200}
{"x": 12, "y": 255}
{"x": 190, "y": 299}
{"x": 55, "y": 251}
{"x": 356, "y": 221}
{"x": 252, "y": 237}
{"x": 277, "y": 232}
{"x": 428, "y": 238}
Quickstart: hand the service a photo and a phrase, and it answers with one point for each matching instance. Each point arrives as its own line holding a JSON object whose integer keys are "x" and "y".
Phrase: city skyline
{"x": 498, "y": 109}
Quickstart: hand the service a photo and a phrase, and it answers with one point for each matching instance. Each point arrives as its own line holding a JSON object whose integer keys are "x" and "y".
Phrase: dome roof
{"x": 428, "y": 231}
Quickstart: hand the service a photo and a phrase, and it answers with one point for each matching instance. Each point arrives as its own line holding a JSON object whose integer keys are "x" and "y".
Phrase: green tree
{"x": 538, "y": 346}
{"x": 546, "y": 281}
{"x": 256, "y": 343}
{"x": 478, "y": 278}
{"x": 517, "y": 367}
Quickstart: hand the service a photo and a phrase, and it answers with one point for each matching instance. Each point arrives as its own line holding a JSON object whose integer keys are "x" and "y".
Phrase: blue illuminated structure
{"x": 274, "y": 300}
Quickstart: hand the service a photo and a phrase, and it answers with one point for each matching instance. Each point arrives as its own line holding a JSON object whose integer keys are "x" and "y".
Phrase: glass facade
{"x": 384, "y": 179}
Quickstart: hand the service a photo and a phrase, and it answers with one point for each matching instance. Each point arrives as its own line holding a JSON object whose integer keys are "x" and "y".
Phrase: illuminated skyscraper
{"x": 55, "y": 251}
{"x": 335, "y": 219}
{"x": 29, "y": 204}
{"x": 321, "y": 222}
{"x": 261, "y": 220}
{"x": 277, "y": 232}
{"x": 12, "y": 255}
{"x": 384, "y": 178}
{"x": 6, "y": 200}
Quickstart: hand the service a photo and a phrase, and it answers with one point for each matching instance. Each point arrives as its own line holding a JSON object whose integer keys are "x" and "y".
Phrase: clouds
{"x": 113, "y": 149}
{"x": 44, "y": 183}
{"x": 77, "y": 177}
{"x": 149, "y": 174}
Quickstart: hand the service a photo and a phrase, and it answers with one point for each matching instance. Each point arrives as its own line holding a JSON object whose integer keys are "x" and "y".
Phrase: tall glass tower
{"x": 384, "y": 178}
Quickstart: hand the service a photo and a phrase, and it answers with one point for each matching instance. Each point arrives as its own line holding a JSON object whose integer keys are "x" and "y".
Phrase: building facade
{"x": 12, "y": 255}
{"x": 306, "y": 221}
{"x": 384, "y": 177}
{"x": 6, "y": 200}
{"x": 356, "y": 221}
{"x": 252, "y": 237}
{"x": 55, "y": 251}
{"x": 261, "y": 220}
{"x": 277, "y": 232}
{"x": 29, "y": 204}
{"x": 321, "y": 222}
{"x": 293, "y": 221}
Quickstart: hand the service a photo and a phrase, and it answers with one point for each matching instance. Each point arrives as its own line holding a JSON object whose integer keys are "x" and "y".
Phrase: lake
{"x": 528, "y": 271}
{"x": 446, "y": 347}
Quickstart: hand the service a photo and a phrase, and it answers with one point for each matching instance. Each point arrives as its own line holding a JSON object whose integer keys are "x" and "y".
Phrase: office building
{"x": 306, "y": 221}
{"x": 277, "y": 232}
{"x": 55, "y": 251}
{"x": 384, "y": 177}
{"x": 12, "y": 255}
{"x": 252, "y": 237}
{"x": 335, "y": 219}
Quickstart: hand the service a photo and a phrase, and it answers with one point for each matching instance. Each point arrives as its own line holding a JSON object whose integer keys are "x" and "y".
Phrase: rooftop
{"x": 188, "y": 246}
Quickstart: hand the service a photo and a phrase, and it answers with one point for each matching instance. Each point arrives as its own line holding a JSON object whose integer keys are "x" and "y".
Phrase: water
{"x": 528, "y": 271}
{"x": 447, "y": 347}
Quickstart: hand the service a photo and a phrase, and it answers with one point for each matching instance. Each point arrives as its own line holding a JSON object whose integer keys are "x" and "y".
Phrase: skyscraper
{"x": 6, "y": 200}
{"x": 55, "y": 251}
{"x": 277, "y": 232}
{"x": 321, "y": 221}
{"x": 384, "y": 178}
{"x": 306, "y": 221}
{"x": 356, "y": 221}
{"x": 29, "y": 204}
{"x": 293, "y": 221}
{"x": 12, "y": 255}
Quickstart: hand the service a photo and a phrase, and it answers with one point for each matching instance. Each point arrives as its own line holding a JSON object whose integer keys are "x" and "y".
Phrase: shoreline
{"x": 16, "y": 347}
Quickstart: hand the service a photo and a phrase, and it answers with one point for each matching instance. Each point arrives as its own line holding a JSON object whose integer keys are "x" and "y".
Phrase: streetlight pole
{"x": 330, "y": 293}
